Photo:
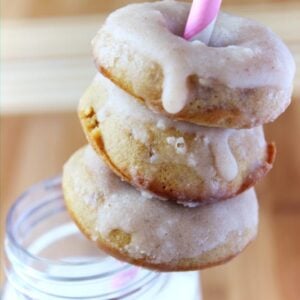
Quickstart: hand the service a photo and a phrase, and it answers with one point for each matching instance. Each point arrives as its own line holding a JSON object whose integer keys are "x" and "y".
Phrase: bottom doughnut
{"x": 136, "y": 227}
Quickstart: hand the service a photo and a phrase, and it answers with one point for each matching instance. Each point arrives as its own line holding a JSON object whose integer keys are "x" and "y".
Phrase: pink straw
{"x": 203, "y": 13}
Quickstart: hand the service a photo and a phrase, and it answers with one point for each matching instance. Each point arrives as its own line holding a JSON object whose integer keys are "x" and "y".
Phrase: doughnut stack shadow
{"x": 176, "y": 137}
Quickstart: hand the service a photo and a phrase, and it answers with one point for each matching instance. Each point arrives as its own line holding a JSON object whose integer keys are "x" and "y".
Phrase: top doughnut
{"x": 242, "y": 79}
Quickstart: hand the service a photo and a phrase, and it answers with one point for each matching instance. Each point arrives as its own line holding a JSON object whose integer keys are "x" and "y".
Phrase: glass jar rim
{"x": 53, "y": 182}
{"x": 25, "y": 267}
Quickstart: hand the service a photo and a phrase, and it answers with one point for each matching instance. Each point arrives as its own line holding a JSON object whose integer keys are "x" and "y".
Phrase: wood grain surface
{"x": 45, "y": 8}
{"x": 47, "y": 64}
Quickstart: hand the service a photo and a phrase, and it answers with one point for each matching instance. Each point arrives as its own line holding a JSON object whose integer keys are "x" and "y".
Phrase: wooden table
{"x": 35, "y": 146}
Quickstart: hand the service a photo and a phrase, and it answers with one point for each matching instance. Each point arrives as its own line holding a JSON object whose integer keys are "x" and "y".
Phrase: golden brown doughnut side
{"x": 174, "y": 181}
{"x": 260, "y": 172}
{"x": 210, "y": 103}
{"x": 85, "y": 217}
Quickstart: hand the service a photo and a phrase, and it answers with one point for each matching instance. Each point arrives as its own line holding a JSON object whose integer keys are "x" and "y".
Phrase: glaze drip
{"x": 224, "y": 160}
{"x": 208, "y": 153}
{"x": 155, "y": 29}
{"x": 175, "y": 99}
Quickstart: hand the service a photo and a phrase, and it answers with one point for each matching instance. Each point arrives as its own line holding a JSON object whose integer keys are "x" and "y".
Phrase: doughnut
{"x": 242, "y": 79}
{"x": 174, "y": 160}
{"x": 133, "y": 226}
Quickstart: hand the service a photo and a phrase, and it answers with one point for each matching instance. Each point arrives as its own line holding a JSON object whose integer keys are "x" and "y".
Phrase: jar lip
{"x": 53, "y": 182}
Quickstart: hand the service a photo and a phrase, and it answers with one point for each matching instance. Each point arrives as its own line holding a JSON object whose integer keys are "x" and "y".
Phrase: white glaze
{"x": 161, "y": 230}
{"x": 212, "y": 153}
{"x": 241, "y": 53}
{"x": 140, "y": 134}
{"x": 178, "y": 143}
{"x": 224, "y": 159}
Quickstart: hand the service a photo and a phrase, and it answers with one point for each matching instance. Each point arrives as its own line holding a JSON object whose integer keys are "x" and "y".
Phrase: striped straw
{"x": 201, "y": 20}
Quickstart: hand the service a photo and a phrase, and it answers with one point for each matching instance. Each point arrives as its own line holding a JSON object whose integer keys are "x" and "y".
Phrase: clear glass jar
{"x": 48, "y": 258}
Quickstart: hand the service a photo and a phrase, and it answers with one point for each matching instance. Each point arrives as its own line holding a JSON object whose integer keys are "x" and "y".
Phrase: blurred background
{"x": 46, "y": 65}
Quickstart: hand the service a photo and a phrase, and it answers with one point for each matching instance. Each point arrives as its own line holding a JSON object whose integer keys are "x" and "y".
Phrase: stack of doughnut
{"x": 176, "y": 137}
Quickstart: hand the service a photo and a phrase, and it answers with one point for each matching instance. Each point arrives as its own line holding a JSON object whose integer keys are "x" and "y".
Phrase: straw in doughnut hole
{"x": 201, "y": 20}
{"x": 244, "y": 79}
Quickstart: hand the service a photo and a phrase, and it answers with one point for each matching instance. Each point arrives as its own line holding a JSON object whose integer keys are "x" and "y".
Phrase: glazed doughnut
{"x": 132, "y": 226}
{"x": 242, "y": 79}
{"x": 174, "y": 160}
